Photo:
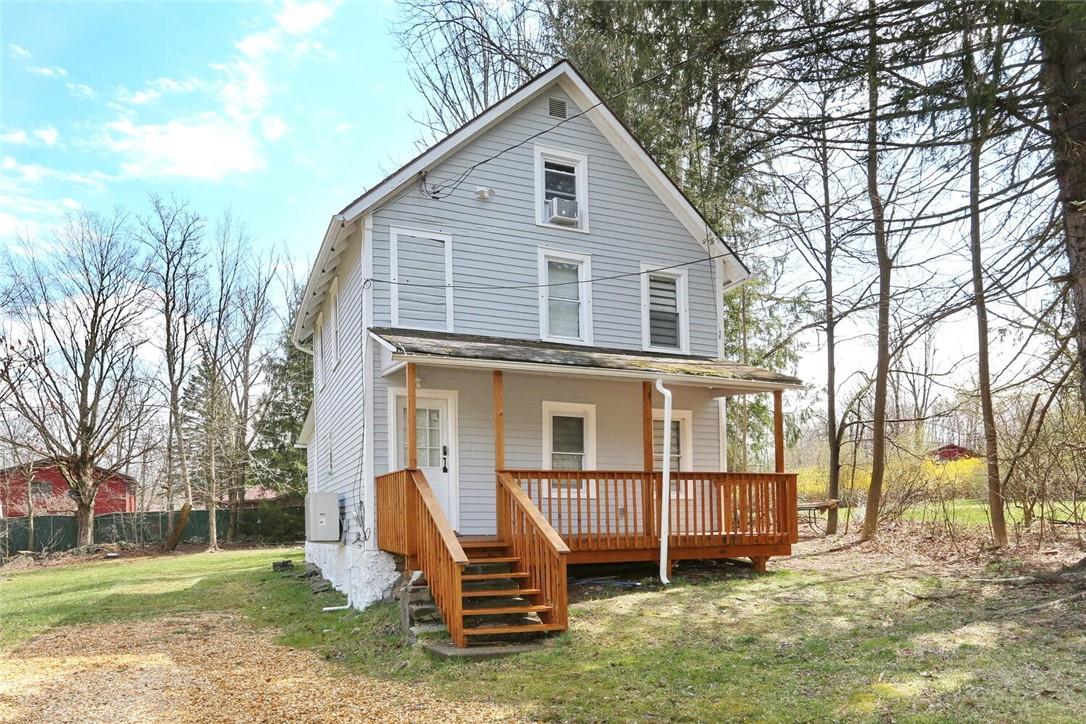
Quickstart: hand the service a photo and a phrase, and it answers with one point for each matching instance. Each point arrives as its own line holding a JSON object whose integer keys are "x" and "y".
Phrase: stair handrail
{"x": 550, "y": 535}
{"x": 441, "y": 523}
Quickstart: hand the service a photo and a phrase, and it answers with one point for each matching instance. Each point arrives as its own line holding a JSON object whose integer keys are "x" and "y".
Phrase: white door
{"x": 434, "y": 434}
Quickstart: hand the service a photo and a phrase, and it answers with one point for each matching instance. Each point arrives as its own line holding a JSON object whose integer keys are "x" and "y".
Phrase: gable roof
{"x": 595, "y": 108}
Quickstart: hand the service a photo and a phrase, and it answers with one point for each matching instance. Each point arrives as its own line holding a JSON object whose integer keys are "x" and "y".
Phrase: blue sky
{"x": 280, "y": 111}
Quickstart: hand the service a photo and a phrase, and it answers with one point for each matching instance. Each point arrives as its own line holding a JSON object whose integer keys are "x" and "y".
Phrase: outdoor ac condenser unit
{"x": 322, "y": 517}
{"x": 562, "y": 211}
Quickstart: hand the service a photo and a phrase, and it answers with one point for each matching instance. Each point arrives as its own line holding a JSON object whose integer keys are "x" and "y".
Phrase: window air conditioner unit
{"x": 562, "y": 211}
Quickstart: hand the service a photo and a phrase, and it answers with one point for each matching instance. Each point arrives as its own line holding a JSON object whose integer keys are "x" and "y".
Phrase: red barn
{"x": 116, "y": 494}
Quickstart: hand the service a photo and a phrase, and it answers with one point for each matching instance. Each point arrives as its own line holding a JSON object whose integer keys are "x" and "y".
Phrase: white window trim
{"x": 580, "y": 162}
{"x": 393, "y": 234}
{"x": 333, "y": 313}
{"x": 584, "y": 289}
{"x": 685, "y": 418}
{"x": 319, "y": 352}
{"x": 682, "y": 283}
{"x": 572, "y": 409}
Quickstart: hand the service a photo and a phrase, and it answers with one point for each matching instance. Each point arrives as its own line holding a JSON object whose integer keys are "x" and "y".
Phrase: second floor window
{"x": 561, "y": 181}
{"x": 663, "y": 310}
{"x": 565, "y": 297}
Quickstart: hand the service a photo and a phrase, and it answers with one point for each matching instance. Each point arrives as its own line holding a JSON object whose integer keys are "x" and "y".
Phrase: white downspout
{"x": 665, "y": 489}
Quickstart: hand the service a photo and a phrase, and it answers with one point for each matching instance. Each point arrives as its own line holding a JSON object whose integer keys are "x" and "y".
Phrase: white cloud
{"x": 227, "y": 139}
{"x": 207, "y": 147}
{"x": 273, "y": 128}
{"x": 144, "y": 96}
{"x": 258, "y": 45}
{"x": 15, "y": 138}
{"x": 81, "y": 91}
{"x": 170, "y": 85}
{"x": 49, "y": 71}
{"x": 33, "y": 173}
{"x": 300, "y": 18}
{"x": 48, "y": 135}
{"x": 344, "y": 127}
{"x": 18, "y": 51}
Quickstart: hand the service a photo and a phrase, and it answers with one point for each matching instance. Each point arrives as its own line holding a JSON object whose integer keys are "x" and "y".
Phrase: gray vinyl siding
{"x": 496, "y": 242}
{"x": 618, "y": 426}
{"x": 335, "y": 451}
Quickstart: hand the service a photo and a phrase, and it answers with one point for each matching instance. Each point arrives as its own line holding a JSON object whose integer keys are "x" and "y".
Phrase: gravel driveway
{"x": 197, "y": 669}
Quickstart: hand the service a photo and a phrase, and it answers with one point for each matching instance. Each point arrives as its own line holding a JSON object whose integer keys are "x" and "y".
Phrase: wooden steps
{"x": 496, "y": 559}
{"x": 493, "y": 576}
{"x": 502, "y": 610}
{"x": 499, "y": 592}
{"x": 519, "y": 629}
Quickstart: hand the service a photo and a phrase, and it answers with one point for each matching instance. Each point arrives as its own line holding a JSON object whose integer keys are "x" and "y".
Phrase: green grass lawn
{"x": 828, "y": 643}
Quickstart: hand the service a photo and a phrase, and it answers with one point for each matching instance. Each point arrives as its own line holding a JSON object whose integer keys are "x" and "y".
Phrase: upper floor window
{"x": 561, "y": 181}
{"x": 565, "y": 297}
{"x": 664, "y": 325}
{"x": 422, "y": 279}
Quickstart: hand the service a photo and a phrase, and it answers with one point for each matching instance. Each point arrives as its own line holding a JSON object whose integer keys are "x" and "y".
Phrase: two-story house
{"x": 516, "y": 339}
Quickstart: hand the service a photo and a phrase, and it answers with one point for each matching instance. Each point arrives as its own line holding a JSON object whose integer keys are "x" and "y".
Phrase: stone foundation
{"x": 365, "y": 576}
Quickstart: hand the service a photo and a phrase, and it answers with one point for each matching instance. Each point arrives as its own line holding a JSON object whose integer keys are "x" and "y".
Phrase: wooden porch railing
{"x": 619, "y": 510}
{"x": 539, "y": 548}
{"x": 410, "y": 521}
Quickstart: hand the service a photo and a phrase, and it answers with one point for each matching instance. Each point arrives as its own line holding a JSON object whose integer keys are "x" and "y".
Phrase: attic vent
{"x": 556, "y": 108}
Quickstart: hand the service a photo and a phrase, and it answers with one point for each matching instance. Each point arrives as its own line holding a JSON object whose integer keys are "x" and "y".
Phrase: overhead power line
{"x": 593, "y": 280}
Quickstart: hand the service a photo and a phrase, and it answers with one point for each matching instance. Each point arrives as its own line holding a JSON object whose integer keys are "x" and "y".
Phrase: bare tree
{"x": 173, "y": 234}
{"x": 467, "y": 55}
{"x": 248, "y": 350}
{"x": 74, "y": 374}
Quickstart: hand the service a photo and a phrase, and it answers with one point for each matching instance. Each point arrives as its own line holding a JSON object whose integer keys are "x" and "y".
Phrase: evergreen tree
{"x": 277, "y": 464}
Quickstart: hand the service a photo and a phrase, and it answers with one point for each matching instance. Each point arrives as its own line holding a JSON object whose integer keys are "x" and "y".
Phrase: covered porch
{"x": 574, "y": 511}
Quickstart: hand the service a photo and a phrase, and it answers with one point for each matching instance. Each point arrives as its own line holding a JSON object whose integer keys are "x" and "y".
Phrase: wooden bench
{"x": 810, "y": 512}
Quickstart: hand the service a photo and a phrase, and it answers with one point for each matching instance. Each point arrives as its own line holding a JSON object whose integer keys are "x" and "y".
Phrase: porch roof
{"x": 449, "y": 349}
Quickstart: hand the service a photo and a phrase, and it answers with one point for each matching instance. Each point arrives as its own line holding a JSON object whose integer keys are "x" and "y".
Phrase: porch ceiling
{"x": 448, "y": 349}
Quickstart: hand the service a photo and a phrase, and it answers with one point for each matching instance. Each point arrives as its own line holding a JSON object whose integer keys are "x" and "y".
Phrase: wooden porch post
{"x": 648, "y": 490}
{"x": 778, "y": 430}
{"x": 503, "y": 522}
{"x": 646, "y": 424}
{"x": 499, "y": 421}
{"x": 412, "y": 431}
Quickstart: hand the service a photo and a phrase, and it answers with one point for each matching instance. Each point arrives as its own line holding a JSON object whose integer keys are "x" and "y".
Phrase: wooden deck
{"x": 546, "y": 519}
{"x": 611, "y": 516}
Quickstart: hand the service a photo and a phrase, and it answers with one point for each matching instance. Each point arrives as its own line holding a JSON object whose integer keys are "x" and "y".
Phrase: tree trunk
{"x": 834, "y": 483}
{"x": 212, "y": 525}
{"x": 882, "y": 249}
{"x": 30, "y": 512}
{"x": 978, "y": 124}
{"x": 212, "y": 500}
{"x": 84, "y": 522}
{"x": 1060, "y": 28}
{"x": 181, "y": 520}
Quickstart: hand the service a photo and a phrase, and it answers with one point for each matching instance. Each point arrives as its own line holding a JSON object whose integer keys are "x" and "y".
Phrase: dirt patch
{"x": 202, "y": 668}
